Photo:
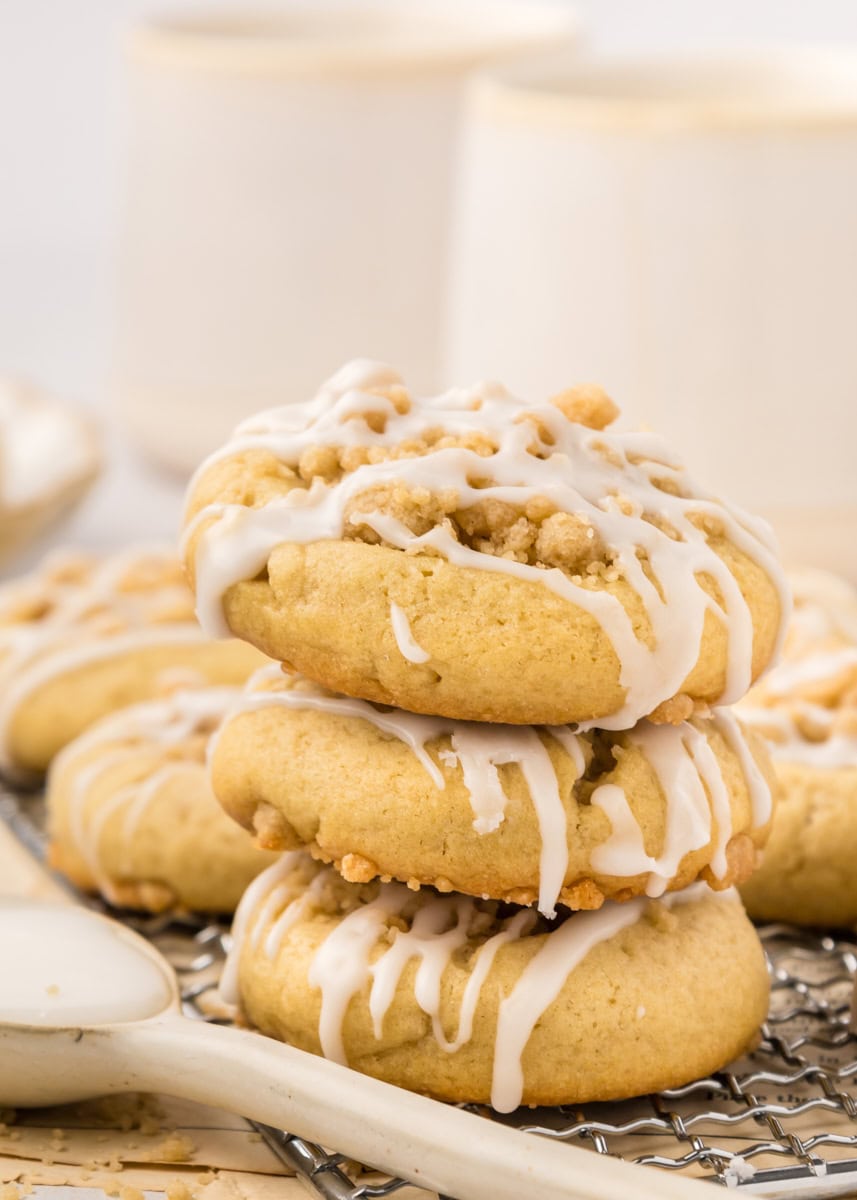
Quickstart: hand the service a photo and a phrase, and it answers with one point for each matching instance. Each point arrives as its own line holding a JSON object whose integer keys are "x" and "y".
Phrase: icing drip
{"x": 790, "y": 677}
{"x": 539, "y": 985}
{"x": 411, "y": 650}
{"x": 606, "y": 479}
{"x": 86, "y": 620}
{"x": 761, "y": 800}
{"x": 341, "y": 964}
{"x": 346, "y": 963}
{"x": 697, "y": 799}
{"x": 268, "y": 888}
{"x": 806, "y": 707}
{"x": 141, "y": 734}
{"x": 787, "y": 744}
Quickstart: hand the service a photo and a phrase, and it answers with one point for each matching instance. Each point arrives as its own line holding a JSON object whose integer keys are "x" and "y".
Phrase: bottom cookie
{"x": 471, "y": 1000}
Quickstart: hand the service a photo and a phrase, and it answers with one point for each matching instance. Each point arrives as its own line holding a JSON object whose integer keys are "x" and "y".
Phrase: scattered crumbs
{"x": 738, "y": 1171}
{"x": 53, "y": 990}
{"x": 129, "y": 1112}
{"x": 111, "y": 1186}
{"x": 103, "y": 1164}
{"x": 177, "y": 1189}
{"x": 130, "y": 1193}
{"x": 176, "y": 1148}
{"x": 150, "y": 1125}
{"x": 641, "y": 1011}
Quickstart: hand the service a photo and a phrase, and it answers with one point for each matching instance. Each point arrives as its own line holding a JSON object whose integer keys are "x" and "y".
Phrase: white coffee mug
{"x": 288, "y": 199}
{"x": 683, "y": 231}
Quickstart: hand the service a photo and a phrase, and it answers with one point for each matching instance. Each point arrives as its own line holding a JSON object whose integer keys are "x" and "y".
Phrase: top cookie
{"x": 474, "y": 557}
{"x": 82, "y": 637}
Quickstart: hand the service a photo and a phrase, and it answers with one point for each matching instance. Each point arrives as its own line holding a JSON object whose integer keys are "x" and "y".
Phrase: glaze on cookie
{"x": 131, "y": 813}
{"x": 527, "y": 815}
{"x": 806, "y": 709}
{"x": 81, "y": 637}
{"x": 467, "y": 1000}
{"x": 472, "y": 556}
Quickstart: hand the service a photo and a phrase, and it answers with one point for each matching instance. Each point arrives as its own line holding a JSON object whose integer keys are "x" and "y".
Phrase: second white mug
{"x": 685, "y": 233}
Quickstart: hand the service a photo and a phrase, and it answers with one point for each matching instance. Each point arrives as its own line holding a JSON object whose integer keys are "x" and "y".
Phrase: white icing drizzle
{"x": 789, "y": 677}
{"x": 538, "y": 986}
{"x": 761, "y": 800}
{"x": 44, "y": 446}
{"x": 340, "y": 966}
{"x": 410, "y": 648}
{"x": 149, "y": 729}
{"x": 72, "y": 633}
{"x": 248, "y": 917}
{"x": 805, "y": 707}
{"x": 577, "y": 473}
{"x": 437, "y": 929}
{"x": 698, "y": 809}
{"x": 786, "y": 743}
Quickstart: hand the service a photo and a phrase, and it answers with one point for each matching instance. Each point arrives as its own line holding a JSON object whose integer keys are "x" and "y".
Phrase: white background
{"x": 61, "y": 91}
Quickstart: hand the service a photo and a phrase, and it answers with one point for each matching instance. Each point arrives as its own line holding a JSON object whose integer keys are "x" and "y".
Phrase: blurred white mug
{"x": 288, "y": 200}
{"x": 684, "y": 232}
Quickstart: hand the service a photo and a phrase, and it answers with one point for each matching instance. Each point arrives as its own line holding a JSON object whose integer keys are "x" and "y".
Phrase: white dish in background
{"x": 49, "y": 456}
{"x": 684, "y": 231}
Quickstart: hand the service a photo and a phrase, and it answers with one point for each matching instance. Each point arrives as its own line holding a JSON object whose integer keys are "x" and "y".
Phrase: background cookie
{"x": 474, "y": 557}
{"x": 806, "y": 709}
{"x": 81, "y": 638}
{"x": 131, "y": 813}
{"x": 516, "y": 813}
{"x": 808, "y": 873}
{"x": 623, "y": 1001}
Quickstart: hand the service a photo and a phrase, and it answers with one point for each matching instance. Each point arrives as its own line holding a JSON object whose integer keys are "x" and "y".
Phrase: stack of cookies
{"x": 512, "y": 818}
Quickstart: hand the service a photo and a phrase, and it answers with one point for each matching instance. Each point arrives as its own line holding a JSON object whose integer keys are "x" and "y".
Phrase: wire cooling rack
{"x": 780, "y": 1122}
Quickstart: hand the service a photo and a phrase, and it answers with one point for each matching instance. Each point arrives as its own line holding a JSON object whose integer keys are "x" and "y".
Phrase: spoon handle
{"x": 433, "y": 1144}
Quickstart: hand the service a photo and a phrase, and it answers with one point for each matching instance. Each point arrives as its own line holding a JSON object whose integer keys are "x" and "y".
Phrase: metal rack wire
{"x": 782, "y": 1121}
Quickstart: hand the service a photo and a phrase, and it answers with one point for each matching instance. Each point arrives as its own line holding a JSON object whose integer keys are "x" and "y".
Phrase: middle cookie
{"x": 530, "y": 815}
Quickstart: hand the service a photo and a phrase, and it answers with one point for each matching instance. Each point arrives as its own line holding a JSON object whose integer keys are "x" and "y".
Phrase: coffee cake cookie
{"x": 82, "y": 637}
{"x": 131, "y": 813}
{"x": 806, "y": 709}
{"x": 476, "y": 557}
{"x": 467, "y": 1000}
{"x": 527, "y": 815}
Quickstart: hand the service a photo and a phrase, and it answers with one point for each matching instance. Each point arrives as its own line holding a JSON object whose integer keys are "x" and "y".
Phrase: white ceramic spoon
{"x": 88, "y": 1007}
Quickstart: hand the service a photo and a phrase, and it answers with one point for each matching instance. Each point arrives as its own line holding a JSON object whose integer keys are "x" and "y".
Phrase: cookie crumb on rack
{"x": 176, "y": 1148}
